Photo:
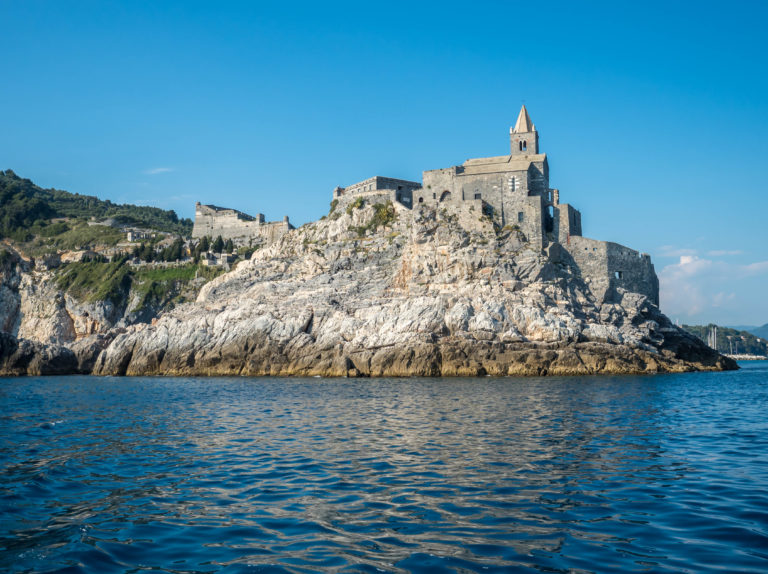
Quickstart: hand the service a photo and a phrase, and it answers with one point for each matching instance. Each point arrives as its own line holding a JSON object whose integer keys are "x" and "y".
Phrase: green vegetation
{"x": 6, "y": 258}
{"x": 357, "y": 204}
{"x": 161, "y": 285}
{"x": 26, "y": 210}
{"x": 383, "y": 214}
{"x": 99, "y": 280}
{"x": 334, "y": 203}
{"x": 95, "y": 280}
{"x": 84, "y": 236}
{"x": 742, "y": 342}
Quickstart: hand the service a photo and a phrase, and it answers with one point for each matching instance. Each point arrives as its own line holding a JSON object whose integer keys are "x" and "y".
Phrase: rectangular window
{"x": 512, "y": 184}
{"x": 478, "y": 196}
{"x": 520, "y": 216}
{"x": 618, "y": 275}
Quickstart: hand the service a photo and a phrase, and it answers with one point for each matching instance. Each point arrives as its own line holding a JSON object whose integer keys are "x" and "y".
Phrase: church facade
{"x": 514, "y": 190}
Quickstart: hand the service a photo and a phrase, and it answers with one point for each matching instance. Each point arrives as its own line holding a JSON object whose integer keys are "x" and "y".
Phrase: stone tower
{"x": 523, "y": 138}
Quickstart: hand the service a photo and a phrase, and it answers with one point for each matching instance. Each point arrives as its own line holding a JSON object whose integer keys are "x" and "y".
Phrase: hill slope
{"x": 729, "y": 339}
{"x": 27, "y": 208}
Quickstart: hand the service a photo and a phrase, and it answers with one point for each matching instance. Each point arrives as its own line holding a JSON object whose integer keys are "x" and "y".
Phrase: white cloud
{"x": 674, "y": 251}
{"x": 695, "y": 285}
{"x": 756, "y": 268}
{"x": 157, "y": 170}
{"x": 724, "y": 252}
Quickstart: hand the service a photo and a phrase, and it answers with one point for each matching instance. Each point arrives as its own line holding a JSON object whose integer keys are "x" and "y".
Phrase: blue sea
{"x": 664, "y": 473}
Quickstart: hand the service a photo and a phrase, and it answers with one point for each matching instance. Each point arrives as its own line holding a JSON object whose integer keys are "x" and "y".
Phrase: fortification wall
{"x": 606, "y": 266}
{"x": 241, "y": 228}
{"x": 370, "y": 197}
{"x": 567, "y": 222}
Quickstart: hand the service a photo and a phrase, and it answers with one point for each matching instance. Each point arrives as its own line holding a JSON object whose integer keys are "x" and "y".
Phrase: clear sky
{"x": 654, "y": 115}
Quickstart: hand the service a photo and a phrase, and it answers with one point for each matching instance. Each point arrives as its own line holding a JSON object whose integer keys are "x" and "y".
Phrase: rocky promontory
{"x": 377, "y": 289}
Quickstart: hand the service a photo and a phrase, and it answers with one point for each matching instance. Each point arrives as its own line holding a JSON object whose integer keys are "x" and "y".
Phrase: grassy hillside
{"x": 740, "y": 341}
{"x": 103, "y": 281}
{"x": 27, "y": 209}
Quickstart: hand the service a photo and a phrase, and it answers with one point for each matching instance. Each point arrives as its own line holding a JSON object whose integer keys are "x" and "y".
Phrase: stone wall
{"x": 606, "y": 266}
{"x": 402, "y": 187}
{"x": 506, "y": 193}
{"x": 567, "y": 222}
{"x": 240, "y": 227}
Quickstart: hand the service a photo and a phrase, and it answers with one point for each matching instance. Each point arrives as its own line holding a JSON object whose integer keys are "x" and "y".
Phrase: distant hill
{"x": 731, "y": 339}
{"x": 761, "y": 332}
{"x": 24, "y": 205}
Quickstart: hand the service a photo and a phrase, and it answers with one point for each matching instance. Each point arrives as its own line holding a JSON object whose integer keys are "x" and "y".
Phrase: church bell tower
{"x": 523, "y": 138}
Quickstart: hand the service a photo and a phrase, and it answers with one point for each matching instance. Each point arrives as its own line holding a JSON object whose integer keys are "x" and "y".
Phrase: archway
{"x": 445, "y": 196}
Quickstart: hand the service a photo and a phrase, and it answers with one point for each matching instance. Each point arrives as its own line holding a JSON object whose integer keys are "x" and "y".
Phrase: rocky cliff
{"x": 376, "y": 289}
{"x": 49, "y": 328}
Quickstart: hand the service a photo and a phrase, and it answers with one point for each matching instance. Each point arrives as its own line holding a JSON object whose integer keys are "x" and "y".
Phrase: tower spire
{"x": 523, "y": 138}
{"x": 524, "y": 123}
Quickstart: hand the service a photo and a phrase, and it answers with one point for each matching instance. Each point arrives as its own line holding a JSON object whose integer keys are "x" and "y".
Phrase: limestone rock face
{"x": 24, "y": 357}
{"x": 381, "y": 290}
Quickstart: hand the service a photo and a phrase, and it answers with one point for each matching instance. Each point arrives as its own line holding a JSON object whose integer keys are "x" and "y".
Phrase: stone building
{"x": 240, "y": 227}
{"x": 514, "y": 190}
{"x": 400, "y": 189}
{"x": 515, "y": 187}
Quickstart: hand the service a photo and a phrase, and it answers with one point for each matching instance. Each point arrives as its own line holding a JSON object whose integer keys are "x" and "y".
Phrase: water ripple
{"x": 631, "y": 474}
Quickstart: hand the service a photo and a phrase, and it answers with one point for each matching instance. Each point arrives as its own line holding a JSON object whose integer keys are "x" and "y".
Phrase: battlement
{"x": 402, "y": 188}
{"x": 241, "y": 228}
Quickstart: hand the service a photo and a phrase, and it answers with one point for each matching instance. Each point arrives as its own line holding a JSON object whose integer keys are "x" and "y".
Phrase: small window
{"x": 520, "y": 144}
{"x": 618, "y": 274}
{"x": 520, "y": 216}
{"x": 434, "y": 196}
{"x": 478, "y": 196}
{"x": 512, "y": 183}
{"x": 525, "y": 145}
{"x": 421, "y": 200}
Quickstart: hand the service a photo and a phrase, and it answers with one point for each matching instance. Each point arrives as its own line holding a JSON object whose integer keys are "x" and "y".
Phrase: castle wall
{"x": 241, "y": 228}
{"x": 403, "y": 188}
{"x": 606, "y": 266}
{"x": 567, "y": 222}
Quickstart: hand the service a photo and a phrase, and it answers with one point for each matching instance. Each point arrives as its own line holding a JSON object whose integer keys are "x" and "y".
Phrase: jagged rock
{"x": 24, "y": 357}
{"x": 431, "y": 293}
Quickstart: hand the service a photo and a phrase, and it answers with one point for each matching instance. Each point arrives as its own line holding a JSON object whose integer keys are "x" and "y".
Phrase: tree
{"x": 229, "y": 247}
{"x": 204, "y": 244}
{"x": 218, "y": 245}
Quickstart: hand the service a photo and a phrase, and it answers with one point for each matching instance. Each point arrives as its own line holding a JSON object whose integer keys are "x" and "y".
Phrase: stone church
{"x": 514, "y": 190}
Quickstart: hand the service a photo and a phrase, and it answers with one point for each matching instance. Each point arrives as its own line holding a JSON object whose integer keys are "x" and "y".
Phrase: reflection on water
{"x": 660, "y": 473}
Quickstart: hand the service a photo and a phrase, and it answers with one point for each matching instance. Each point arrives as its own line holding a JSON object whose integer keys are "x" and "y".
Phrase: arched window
{"x": 525, "y": 145}
{"x": 446, "y": 195}
{"x": 421, "y": 200}
{"x": 520, "y": 144}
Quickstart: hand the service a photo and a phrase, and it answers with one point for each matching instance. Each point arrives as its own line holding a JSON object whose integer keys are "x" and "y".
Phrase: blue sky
{"x": 653, "y": 114}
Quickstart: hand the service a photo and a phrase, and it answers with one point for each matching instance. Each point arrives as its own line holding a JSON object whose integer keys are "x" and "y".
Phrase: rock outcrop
{"x": 380, "y": 290}
{"x": 25, "y": 357}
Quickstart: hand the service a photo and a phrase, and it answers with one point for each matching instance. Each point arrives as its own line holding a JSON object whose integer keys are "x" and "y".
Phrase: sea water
{"x": 664, "y": 473}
